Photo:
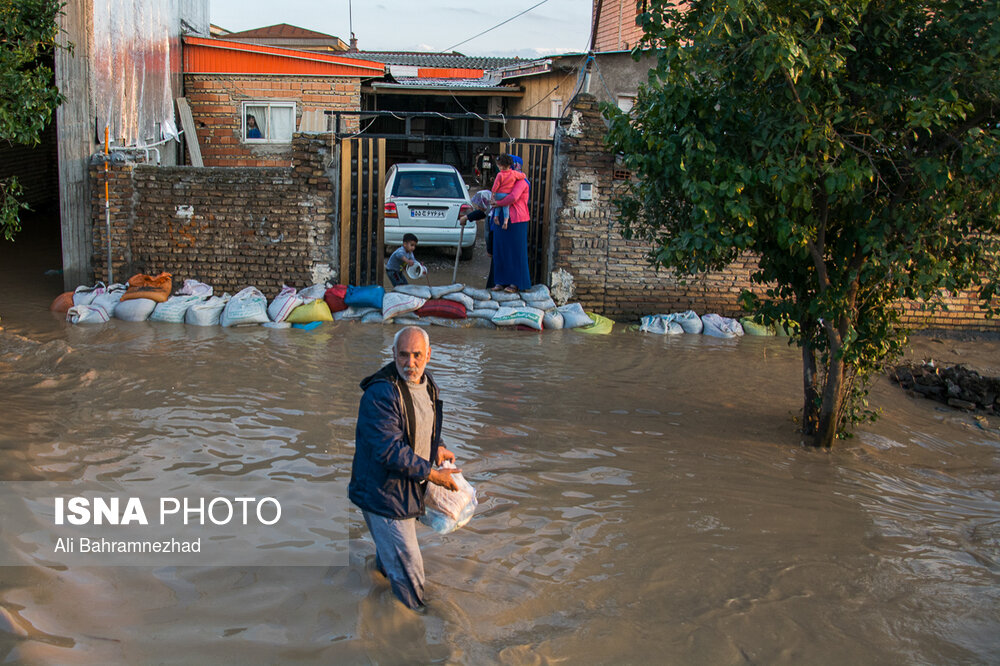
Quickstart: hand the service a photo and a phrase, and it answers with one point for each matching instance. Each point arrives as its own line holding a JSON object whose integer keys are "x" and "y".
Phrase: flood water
{"x": 642, "y": 500}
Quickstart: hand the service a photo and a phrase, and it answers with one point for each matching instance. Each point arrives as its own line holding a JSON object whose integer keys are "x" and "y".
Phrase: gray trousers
{"x": 397, "y": 555}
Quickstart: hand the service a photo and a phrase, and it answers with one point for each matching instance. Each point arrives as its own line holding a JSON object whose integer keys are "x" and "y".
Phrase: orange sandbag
{"x": 62, "y": 303}
{"x": 145, "y": 286}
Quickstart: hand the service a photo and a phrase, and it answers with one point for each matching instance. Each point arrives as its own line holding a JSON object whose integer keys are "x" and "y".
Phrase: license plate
{"x": 427, "y": 213}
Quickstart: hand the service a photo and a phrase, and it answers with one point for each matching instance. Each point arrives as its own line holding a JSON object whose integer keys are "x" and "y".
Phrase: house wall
{"x": 616, "y": 28}
{"x": 612, "y": 275}
{"x": 216, "y": 104}
{"x": 228, "y": 227}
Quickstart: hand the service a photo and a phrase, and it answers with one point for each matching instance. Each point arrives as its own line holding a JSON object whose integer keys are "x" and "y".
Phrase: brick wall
{"x": 612, "y": 275}
{"x": 216, "y": 104}
{"x": 36, "y": 168}
{"x": 228, "y": 227}
{"x": 616, "y": 28}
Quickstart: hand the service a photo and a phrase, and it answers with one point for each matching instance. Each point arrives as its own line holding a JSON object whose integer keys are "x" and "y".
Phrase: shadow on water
{"x": 641, "y": 498}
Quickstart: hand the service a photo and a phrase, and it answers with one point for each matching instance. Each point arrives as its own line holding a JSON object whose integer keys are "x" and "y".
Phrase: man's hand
{"x": 444, "y": 455}
{"x": 442, "y": 477}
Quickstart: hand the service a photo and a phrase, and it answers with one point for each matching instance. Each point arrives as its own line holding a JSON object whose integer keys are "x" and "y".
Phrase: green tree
{"x": 28, "y": 95}
{"x": 851, "y": 145}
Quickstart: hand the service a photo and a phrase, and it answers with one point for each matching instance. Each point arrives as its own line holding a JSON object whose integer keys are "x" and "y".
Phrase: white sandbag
{"x": 283, "y": 304}
{"x": 501, "y": 296}
{"x": 459, "y": 297}
{"x": 396, "y": 303}
{"x": 486, "y": 305}
{"x": 206, "y": 313}
{"x": 537, "y": 292}
{"x": 84, "y": 295}
{"x": 246, "y": 308}
{"x": 354, "y": 312}
{"x": 87, "y": 314}
{"x": 173, "y": 309}
{"x": 553, "y": 320}
{"x": 525, "y": 316}
{"x": 410, "y": 319}
{"x": 449, "y": 322}
{"x": 447, "y": 510}
{"x": 660, "y": 324}
{"x": 516, "y": 303}
{"x": 542, "y": 303}
{"x": 136, "y": 309}
{"x": 482, "y": 323}
{"x": 480, "y": 314}
{"x": 313, "y": 293}
{"x": 195, "y": 288}
{"x": 477, "y": 294}
{"x": 574, "y": 316}
{"x": 418, "y": 290}
{"x": 689, "y": 321}
{"x": 441, "y": 292}
{"x": 110, "y": 298}
{"x": 721, "y": 327}
{"x": 373, "y": 318}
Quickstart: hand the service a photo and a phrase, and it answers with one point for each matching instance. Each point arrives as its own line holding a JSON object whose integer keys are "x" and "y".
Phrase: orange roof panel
{"x": 216, "y": 56}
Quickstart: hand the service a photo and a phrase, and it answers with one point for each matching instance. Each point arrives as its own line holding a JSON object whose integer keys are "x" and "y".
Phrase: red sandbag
{"x": 156, "y": 289}
{"x": 442, "y": 308}
{"x": 62, "y": 303}
{"x": 334, "y": 297}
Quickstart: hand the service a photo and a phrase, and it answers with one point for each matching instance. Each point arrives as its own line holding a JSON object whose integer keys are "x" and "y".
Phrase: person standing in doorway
{"x": 510, "y": 242}
{"x": 397, "y": 446}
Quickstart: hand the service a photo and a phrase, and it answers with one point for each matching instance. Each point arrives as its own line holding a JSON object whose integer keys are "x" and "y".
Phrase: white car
{"x": 426, "y": 200}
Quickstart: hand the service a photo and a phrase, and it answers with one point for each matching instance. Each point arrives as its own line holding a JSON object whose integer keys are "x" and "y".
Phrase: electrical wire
{"x": 495, "y": 27}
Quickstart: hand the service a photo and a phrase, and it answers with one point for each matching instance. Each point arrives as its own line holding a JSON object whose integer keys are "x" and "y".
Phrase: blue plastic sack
{"x": 369, "y": 297}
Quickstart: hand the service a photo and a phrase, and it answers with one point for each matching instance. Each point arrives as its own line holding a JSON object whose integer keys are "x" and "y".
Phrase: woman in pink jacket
{"x": 510, "y": 245}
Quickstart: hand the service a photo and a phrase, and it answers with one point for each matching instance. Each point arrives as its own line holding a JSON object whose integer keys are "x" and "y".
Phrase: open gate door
{"x": 362, "y": 175}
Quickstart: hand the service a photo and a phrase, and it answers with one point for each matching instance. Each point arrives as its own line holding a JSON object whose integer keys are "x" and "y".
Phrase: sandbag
{"x": 334, "y": 297}
{"x": 477, "y": 294}
{"x": 440, "y": 292}
{"x": 516, "y": 303}
{"x": 195, "y": 288}
{"x": 553, "y": 320}
{"x": 538, "y": 292}
{"x": 370, "y": 296}
{"x": 373, "y": 317}
{"x": 206, "y": 313}
{"x": 542, "y": 304}
{"x": 155, "y": 288}
{"x": 442, "y": 308}
{"x": 84, "y": 295}
{"x": 62, "y": 303}
{"x": 411, "y": 320}
{"x": 689, "y": 321}
{"x": 448, "y": 510}
{"x": 574, "y": 316}
{"x": 660, "y": 324}
{"x": 354, "y": 312}
{"x": 420, "y": 291}
{"x": 397, "y": 303}
{"x": 467, "y": 301}
{"x": 173, "y": 309}
{"x": 486, "y": 305}
{"x": 312, "y": 293}
{"x": 601, "y": 326}
{"x": 135, "y": 309}
{"x": 283, "y": 304}
{"x": 314, "y": 310}
{"x": 87, "y": 314}
{"x": 501, "y": 296}
{"x": 718, "y": 326}
{"x": 449, "y": 322}
{"x": 110, "y": 298}
{"x": 248, "y": 307}
{"x": 750, "y": 327}
{"x": 524, "y": 316}
{"x": 481, "y": 323}
{"x": 480, "y": 314}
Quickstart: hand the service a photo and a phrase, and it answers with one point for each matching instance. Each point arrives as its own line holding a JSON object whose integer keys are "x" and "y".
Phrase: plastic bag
{"x": 418, "y": 290}
{"x": 660, "y": 324}
{"x": 155, "y": 288}
{"x": 370, "y": 296}
{"x": 477, "y": 294}
{"x": 721, "y": 327}
{"x": 136, "y": 309}
{"x": 689, "y": 321}
{"x": 524, "y": 315}
{"x": 84, "y": 295}
{"x": 174, "y": 308}
{"x": 247, "y": 307}
{"x": 86, "y": 314}
{"x": 440, "y": 292}
{"x": 283, "y": 304}
{"x": 398, "y": 303}
{"x": 459, "y": 297}
{"x": 553, "y": 320}
{"x": 195, "y": 288}
{"x": 206, "y": 313}
{"x": 312, "y": 293}
{"x": 314, "y": 310}
{"x": 750, "y": 327}
{"x": 447, "y": 510}
{"x": 574, "y": 316}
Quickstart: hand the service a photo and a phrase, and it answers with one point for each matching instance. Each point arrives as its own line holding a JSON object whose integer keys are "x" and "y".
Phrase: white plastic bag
{"x": 195, "y": 288}
{"x": 283, "y": 304}
{"x": 135, "y": 309}
{"x": 173, "y": 309}
{"x": 574, "y": 316}
{"x": 313, "y": 293}
{"x": 87, "y": 314}
{"x": 110, "y": 298}
{"x": 486, "y": 305}
{"x": 84, "y": 295}
{"x": 396, "y": 303}
{"x": 553, "y": 320}
{"x": 206, "y": 313}
{"x": 477, "y": 294}
{"x": 464, "y": 299}
{"x": 418, "y": 290}
{"x": 523, "y": 315}
{"x": 721, "y": 327}
{"x": 441, "y": 292}
{"x": 447, "y": 510}
{"x": 660, "y": 324}
{"x": 245, "y": 308}
{"x": 689, "y": 321}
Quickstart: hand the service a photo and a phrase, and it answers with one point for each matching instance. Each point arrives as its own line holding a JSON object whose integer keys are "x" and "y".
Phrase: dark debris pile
{"x": 956, "y": 385}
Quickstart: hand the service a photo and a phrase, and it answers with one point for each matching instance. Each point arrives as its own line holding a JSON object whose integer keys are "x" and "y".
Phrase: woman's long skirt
{"x": 510, "y": 255}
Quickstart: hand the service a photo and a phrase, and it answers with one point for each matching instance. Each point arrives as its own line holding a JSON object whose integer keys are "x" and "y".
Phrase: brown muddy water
{"x": 642, "y": 500}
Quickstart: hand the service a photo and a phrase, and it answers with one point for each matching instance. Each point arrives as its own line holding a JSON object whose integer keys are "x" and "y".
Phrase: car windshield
{"x": 427, "y": 184}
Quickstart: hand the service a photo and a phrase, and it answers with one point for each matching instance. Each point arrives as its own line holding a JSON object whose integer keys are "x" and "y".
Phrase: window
{"x": 428, "y": 185}
{"x": 626, "y": 102}
{"x": 268, "y": 122}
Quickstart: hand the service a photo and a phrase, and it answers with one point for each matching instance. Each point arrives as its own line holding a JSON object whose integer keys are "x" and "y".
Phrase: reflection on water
{"x": 641, "y": 498}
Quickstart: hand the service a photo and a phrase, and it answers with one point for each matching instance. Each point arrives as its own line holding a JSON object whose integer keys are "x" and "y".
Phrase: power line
{"x": 495, "y": 27}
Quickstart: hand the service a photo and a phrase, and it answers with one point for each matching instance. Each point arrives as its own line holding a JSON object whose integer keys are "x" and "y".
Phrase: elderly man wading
{"x": 398, "y": 437}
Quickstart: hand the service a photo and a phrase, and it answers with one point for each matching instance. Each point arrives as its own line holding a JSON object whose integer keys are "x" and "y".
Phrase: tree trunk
{"x": 833, "y": 398}
{"x": 810, "y": 404}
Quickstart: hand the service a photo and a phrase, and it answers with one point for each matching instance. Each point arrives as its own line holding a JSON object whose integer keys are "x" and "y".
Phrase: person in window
{"x": 253, "y": 132}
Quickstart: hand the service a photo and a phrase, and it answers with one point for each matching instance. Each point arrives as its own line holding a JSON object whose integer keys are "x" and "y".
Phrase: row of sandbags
{"x": 147, "y": 297}
{"x": 710, "y": 324}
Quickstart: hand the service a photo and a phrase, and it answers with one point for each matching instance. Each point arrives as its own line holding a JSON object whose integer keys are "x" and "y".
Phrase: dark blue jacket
{"x": 388, "y": 477}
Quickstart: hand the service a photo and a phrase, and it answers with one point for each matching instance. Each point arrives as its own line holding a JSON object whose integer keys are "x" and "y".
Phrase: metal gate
{"x": 362, "y": 173}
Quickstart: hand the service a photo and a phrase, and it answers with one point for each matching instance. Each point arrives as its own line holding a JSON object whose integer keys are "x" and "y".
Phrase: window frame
{"x": 268, "y": 104}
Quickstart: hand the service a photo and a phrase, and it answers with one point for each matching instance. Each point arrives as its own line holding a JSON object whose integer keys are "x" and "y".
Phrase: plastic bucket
{"x": 416, "y": 271}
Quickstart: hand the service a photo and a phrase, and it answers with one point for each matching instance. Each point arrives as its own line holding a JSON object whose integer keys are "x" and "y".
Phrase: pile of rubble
{"x": 956, "y": 386}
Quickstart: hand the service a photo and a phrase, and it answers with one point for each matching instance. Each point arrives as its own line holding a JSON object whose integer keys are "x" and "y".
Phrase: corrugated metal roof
{"x": 447, "y": 60}
{"x": 282, "y": 30}
{"x": 217, "y": 56}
